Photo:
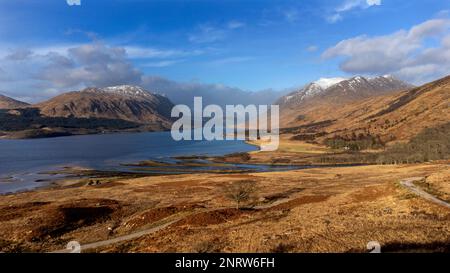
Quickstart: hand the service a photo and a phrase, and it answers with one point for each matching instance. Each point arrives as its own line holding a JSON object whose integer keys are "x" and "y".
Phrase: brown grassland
{"x": 332, "y": 209}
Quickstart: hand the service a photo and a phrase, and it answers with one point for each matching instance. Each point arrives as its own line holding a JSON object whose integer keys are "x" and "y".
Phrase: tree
{"x": 241, "y": 192}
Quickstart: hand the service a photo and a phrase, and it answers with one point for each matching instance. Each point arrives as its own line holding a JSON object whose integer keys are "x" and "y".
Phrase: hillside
{"x": 392, "y": 117}
{"x": 10, "y": 103}
{"x": 29, "y": 123}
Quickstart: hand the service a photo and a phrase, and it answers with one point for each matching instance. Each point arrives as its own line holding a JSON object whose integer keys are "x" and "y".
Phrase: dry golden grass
{"x": 312, "y": 210}
{"x": 439, "y": 184}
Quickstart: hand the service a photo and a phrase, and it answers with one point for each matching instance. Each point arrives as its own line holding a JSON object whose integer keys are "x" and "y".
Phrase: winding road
{"x": 409, "y": 184}
{"x": 84, "y": 247}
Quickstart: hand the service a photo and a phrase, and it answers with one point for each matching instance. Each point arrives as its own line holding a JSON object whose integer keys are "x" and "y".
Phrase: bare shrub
{"x": 242, "y": 193}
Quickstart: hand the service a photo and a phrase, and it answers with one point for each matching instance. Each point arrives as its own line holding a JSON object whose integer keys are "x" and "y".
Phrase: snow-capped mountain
{"x": 131, "y": 103}
{"x": 123, "y": 90}
{"x": 313, "y": 89}
{"x": 393, "y": 116}
{"x": 341, "y": 89}
{"x": 325, "y": 83}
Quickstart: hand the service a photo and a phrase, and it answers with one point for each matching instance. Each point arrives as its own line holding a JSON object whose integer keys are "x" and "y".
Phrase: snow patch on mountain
{"x": 123, "y": 90}
{"x": 326, "y": 83}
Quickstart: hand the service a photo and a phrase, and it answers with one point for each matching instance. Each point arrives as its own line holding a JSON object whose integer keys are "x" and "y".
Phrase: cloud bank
{"x": 350, "y": 5}
{"x": 60, "y": 69}
{"x": 73, "y": 2}
{"x": 418, "y": 55}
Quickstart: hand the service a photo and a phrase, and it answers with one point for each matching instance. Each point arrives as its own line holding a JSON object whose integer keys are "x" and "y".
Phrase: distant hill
{"x": 390, "y": 117}
{"x": 129, "y": 103}
{"x": 10, "y": 103}
{"x": 29, "y": 123}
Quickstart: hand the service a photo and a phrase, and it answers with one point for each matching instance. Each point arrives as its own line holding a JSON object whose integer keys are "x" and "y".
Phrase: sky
{"x": 52, "y": 46}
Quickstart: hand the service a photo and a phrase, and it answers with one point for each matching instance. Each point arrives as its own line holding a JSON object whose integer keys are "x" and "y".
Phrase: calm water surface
{"x": 23, "y": 161}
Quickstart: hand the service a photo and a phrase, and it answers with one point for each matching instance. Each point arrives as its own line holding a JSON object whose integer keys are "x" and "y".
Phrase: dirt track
{"x": 409, "y": 183}
{"x": 159, "y": 227}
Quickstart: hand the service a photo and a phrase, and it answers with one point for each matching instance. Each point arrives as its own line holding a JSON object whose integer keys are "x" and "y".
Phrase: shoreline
{"x": 252, "y": 162}
{"x": 80, "y": 176}
{"x": 19, "y": 135}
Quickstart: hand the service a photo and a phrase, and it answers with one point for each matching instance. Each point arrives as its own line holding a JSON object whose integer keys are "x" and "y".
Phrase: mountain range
{"x": 384, "y": 107}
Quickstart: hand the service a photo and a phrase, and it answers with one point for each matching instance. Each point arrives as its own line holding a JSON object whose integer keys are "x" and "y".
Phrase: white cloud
{"x": 235, "y": 24}
{"x": 443, "y": 13}
{"x": 207, "y": 34}
{"x": 47, "y": 71}
{"x": 446, "y": 41}
{"x": 137, "y": 52}
{"x": 183, "y": 92}
{"x": 373, "y": 2}
{"x": 4, "y": 76}
{"x": 334, "y": 18}
{"x": 165, "y": 63}
{"x": 230, "y": 60}
{"x": 403, "y": 53}
{"x": 73, "y": 66}
{"x": 19, "y": 54}
{"x": 73, "y": 2}
{"x": 211, "y": 33}
{"x": 93, "y": 64}
{"x": 291, "y": 15}
{"x": 350, "y": 5}
{"x": 312, "y": 48}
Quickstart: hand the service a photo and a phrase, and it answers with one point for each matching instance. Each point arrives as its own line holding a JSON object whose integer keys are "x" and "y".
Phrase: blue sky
{"x": 49, "y": 46}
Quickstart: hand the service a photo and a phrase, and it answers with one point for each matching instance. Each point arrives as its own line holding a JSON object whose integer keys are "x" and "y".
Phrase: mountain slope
{"x": 10, "y": 103}
{"x": 316, "y": 99}
{"x": 391, "y": 117}
{"x": 125, "y": 102}
{"x": 339, "y": 90}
